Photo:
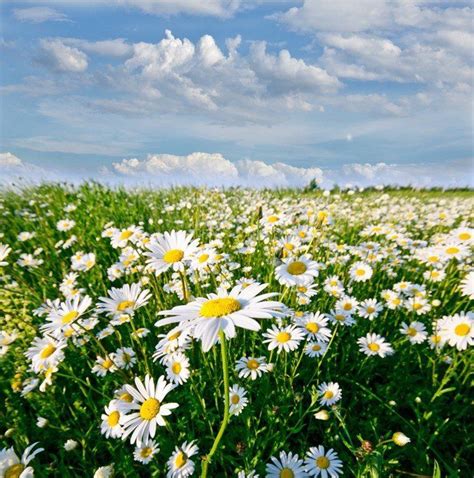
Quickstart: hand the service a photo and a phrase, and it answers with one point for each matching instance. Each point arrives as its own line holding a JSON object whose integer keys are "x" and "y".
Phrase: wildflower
{"x": 286, "y": 466}
{"x": 374, "y": 344}
{"x": 297, "y": 271}
{"x": 360, "y": 272}
{"x": 415, "y": 331}
{"x": 145, "y": 453}
{"x": 179, "y": 464}
{"x": 111, "y": 426}
{"x": 12, "y": 466}
{"x": 123, "y": 301}
{"x": 325, "y": 463}
{"x": 400, "y": 439}
{"x": 224, "y": 311}
{"x": 177, "y": 368}
{"x": 252, "y": 367}
{"x": 147, "y": 409}
{"x": 238, "y": 399}
{"x": 458, "y": 330}
{"x": 330, "y": 392}
{"x": 286, "y": 338}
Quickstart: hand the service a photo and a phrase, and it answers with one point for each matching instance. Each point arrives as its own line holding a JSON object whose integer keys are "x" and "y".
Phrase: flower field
{"x": 236, "y": 333}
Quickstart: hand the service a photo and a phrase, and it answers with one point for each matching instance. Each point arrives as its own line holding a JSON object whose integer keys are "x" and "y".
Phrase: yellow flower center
{"x": 464, "y": 236}
{"x": 436, "y": 339}
{"x": 173, "y": 255}
{"x": 235, "y": 399}
{"x": 14, "y": 471}
{"x": 286, "y": 473}
{"x": 452, "y": 250}
{"x": 360, "y": 272}
{"x": 316, "y": 348}
{"x": 203, "y": 258}
{"x": 125, "y": 304}
{"x": 176, "y": 368}
{"x": 47, "y": 351}
{"x": 174, "y": 336}
{"x": 347, "y": 306}
{"x": 312, "y": 327}
{"x": 149, "y": 409}
{"x": 146, "y": 452}
{"x": 411, "y": 331}
{"x": 107, "y": 363}
{"x": 462, "y": 330}
{"x": 252, "y": 364}
{"x": 322, "y": 462}
{"x": 370, "y": 309}
{"x": 289, "y": 246}
{"x": 125, "y": 235}
{"x": 126, "y": 397}
{"x": 328, "y": 394}
{"x": 113, "y": 418}
{"x": 272, "y": 219}
{"x": 302, "y": 234}
{"x": 302, "y": 289}
{"x": 374, "y": 347}
{"x": 70, "y": 316}
{"x": 340, "y": 317}
{"x": 219, "y": 307}
{"x": 417, "y": 306}
{"x": 283, "y": 337}
{"x": 180, "y": 460}
{"x": 296, "y": 268}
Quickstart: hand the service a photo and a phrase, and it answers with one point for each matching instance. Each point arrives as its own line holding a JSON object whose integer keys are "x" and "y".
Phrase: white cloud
{"x": 39, "y": 15}
{"x": 116, "y": 48}
{"x": 9, "y": 160}
{"x": 213, "y": 170}
{"x": 62, "y": 57}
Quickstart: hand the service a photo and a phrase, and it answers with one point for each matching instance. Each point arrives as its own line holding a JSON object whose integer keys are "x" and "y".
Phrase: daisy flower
{"x": 170, "y": 251}
{"x": 315, "y": 349}
{"x": 123, "y": 301}
{"x": 147, "y": 409}
{"x": 5, "y": 249}
{"x": 314, "y": 326}
{"x": 325, "y": 463}
{"x": 297, "y": 271}
{"x": 121, "y": 237}
{"x": 177, "y": 368}
{"x": 179, "y": 463}
{"x": 286, "y": 466}
{"x": 374, "y": 344}
{"x": 347, "y": 304}
{"x": 330, "y": 393}
{"x": 125, "y": 358}
{"x": 145, "y": 453}
{"x": 104, "y": 365}
{"x": 45, "y": 352}
{"x": 111, "y": 426}
{"x": 238, "y": 399}
{"x": 14, "y": 467}
{"x": 360, "y": 272}
{"x": 224, "y": 311}
{"x": 369, "y": 309}
{"x": 340, "y": 316}
{"x": 458, "y": 330}
{"x": 252, "y": 367}
{"x": 283, "y": 338}
{"x": 66, "y": 314}
{"x": 415, "y": 331}
{"x": 65, "y": 225}
{"x": 467, "y": 286}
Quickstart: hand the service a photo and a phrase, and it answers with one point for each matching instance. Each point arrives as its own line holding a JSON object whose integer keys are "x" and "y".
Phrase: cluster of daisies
{"x": 220, "y": 288}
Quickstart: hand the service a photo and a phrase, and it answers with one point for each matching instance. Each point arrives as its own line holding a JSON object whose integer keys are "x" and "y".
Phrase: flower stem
{"x": 225, "y": 420}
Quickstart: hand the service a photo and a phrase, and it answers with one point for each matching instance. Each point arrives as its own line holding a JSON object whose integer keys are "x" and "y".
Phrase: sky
{"x": 256, "y": 93}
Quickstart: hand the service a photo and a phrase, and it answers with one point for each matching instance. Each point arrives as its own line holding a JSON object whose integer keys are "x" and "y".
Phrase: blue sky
{"x": 223, "y": 92}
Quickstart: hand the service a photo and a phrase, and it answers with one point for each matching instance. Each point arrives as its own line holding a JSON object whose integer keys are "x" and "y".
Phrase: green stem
{"x": 225, "y": 420}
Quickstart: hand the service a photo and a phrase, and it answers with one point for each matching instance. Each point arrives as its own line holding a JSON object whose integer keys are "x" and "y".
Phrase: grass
{"x": 421, "y": 391}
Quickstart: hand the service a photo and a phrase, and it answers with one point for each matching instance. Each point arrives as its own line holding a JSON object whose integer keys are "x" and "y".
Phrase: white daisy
{"x": 284, "y": 338}
{"x": 125, "y": 358}
{"x": 13, "y": 467}
{"x": 170, "y": 250}
{"x": 5, "y": 249}
{"x": 369, "y": 309}
{"x": 458, "y": 330}
{"x": 374, "y": 344}
{"x": 325, "y": 463}
{"x": 330, "y": 393}
{"x": 145, "y": 453}
{"x": 224, "y": 311}
{"x": 314, "y": 326}
{"x": 415, "y": 331}
{"x": 123, "y": 301}
{"x": 467, "y": 286}
{"x": 110, "y": 426}
{"x": 286, "y": 466}
{"x": 360, "y": 272}
{"x": 179, "y": 464}
{"x": 315, "y": 349}
{"x": 104, "y": 365}
{"x": 297, "y": 271}
{"x": 238, "y": 399}
{"x": 45, "y": 352}
{"x": 177, "y": 368}
{"x": 147, "y": 409}
{"x": 252, "y": 367}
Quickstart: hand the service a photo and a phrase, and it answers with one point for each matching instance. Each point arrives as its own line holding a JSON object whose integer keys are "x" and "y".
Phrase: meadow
{"x": 235, "y": 332}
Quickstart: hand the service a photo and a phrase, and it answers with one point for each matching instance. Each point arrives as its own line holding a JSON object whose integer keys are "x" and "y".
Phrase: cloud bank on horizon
{"x": 369, "y": 92}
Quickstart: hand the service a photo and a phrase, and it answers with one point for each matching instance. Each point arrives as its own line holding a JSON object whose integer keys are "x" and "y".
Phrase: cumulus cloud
{"x": 39, "y": 15}
{"x": 118, "y": 47}
{"x": 213, "y": 170}
{"x": 62, "y": 57}
{"x": 12, "y": 168}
